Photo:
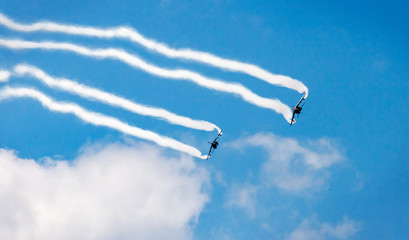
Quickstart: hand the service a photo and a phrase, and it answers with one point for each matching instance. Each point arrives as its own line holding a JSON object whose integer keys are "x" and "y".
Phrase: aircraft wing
{"x": 218, "y": 136}
{"x": 208, "y": 155}
{"x": 299, "y": 102}
{"x": 292, "y": 118}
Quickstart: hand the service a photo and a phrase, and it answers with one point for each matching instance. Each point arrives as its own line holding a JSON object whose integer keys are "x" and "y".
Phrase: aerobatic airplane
{"x": 297, "y": 109}
{"x": 214, "y": 145}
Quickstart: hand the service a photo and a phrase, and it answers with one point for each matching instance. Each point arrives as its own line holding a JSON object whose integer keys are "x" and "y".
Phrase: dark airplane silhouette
{"x": 214, "y": 145}
{"x": 297, "y": 109}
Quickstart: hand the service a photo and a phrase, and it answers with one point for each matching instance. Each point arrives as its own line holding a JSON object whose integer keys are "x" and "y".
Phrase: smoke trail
{"x": 113, "y": 100}
{"x": 136, "y": 62}
{"x": 4, "y": 76}
{"x": 132, "y": 35}
{"x": 99, "y": 119}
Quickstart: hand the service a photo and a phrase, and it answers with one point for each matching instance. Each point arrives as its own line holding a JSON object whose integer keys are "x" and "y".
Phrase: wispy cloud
{"x": 292, "y": 166}
{"x": 311, "y": 229}
{"x": 110, "y": 191}
{"x": 243, "y": 197}
{"x": 4, "y": 75}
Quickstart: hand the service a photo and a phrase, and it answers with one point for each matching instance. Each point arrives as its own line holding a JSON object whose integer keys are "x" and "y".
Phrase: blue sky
{"x": 263, "y": 182}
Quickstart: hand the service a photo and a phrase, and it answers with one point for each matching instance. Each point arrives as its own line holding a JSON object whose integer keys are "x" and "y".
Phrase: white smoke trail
{"x": 132, "y": 35}
{"x": 4, "y": 75}
{"x": 136, "y": 62}
{"x": 99, "y": 119}
{"x": 113, "y": 100}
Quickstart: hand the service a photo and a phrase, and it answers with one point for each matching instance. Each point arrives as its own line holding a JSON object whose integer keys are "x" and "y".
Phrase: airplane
{"x": 214, "y": 145}
{"x": 297, "y": 109}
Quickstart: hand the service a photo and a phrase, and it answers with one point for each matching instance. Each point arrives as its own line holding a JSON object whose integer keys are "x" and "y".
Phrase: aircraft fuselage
{"x": 297, "y": 110}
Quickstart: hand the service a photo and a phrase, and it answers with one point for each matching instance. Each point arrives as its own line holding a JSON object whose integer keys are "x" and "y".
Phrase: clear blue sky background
{"x": 353, "y": 56}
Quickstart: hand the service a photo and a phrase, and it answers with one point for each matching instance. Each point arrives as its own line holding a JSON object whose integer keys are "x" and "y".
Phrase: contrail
{"x": 134, "y": 36}
{"x": 111, "y": 99}
{"x": 136, "y": 62}
{"x": 99, "y": 119}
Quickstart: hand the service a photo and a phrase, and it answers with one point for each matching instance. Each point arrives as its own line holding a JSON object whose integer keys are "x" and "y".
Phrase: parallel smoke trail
{"x": 99, "y": 119}
{"x": 113, "y": 100}
{"x": 136, "y": 62}
{"x": 132, "y": 35}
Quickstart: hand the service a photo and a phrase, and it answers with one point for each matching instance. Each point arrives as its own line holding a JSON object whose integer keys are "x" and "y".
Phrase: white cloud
{"x": 244, "y": 197}
{"x": 4, "y": 76}
{"x": 108, "y": 192}
{"x": 311, "y": 229}
{"x": 292, "y": 166}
